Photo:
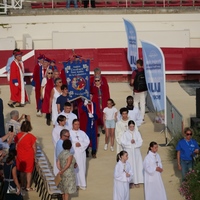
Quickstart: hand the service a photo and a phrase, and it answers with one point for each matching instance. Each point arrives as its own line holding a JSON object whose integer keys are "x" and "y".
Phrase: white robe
{"x": 80, "y": 155}
{"x": 153, "y": 184}
{"x": 134, "y": 115}
{"x": 121, "y": 182}
{"x": 69, "y": 119}
{"x": 55, "y": 138}
{"x": 134, "y": 153}
{"x": 121, "y": 127}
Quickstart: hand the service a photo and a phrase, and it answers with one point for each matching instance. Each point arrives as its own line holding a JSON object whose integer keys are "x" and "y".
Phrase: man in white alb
{"x": 80, "y": 142}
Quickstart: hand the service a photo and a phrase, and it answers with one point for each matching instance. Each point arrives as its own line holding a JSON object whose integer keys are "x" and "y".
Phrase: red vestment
{"x": 100, "y": 97}
{"x": 25, "y": 152}
{"x": 17, "y": 88}
{"x": 45, "y": 104}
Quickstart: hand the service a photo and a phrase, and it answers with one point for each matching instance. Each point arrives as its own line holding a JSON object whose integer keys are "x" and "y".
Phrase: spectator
{"x": 61, "y": 120}
{"x": 89, "y": 108}
{"x": 15, "y": 121}
{"x": 140, "y": 88}
{"x": 10, "y": 60}
{"x": 101, "y": 94}
{"x": 46, "y": 88}
{"x": 187, "y": 148}
{"x": 75, "y": 4}
{"x": 2, "y": 127}
{"x": 62, "y": 99}
{"x": 86, "y": 2}
{"x": 122, "y": 177}
{"x": 10, "y": 177}
{"x": 80, "y": 142}
{"x": 110, "y": 118}
{"x": 55, "y": 93}
{"x": 121, "y": 127}
{"x": 66, "y": 163}
{"x": 131, "y": 142}
{"x": 67, "y": 112}
{"x": 26, "y": 150}
{"x": 17, "y": 85}
{"x": 153, "y": 184}
{"x": 6, "y": 140}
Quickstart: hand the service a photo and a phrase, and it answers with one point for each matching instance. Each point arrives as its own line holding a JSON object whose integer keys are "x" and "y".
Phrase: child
{"x": 109, "y": 118}
{"x": 122, "y": 177}
{"x": 153, "y": 185}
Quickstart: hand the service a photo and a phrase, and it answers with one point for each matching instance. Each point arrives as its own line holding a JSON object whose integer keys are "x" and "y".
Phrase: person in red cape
{"x": 46, "y": 88}
{"x": 101, "y": 94}
{"x": 38, "y": 74}
{"x": 26, "y": 150}
{"x": 17, "y": 84}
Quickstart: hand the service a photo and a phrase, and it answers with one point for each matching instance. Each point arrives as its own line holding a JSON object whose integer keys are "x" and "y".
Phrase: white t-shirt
{"x": 110, "y": 113}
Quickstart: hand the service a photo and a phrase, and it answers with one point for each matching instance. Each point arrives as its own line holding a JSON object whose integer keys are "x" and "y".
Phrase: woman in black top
{"x": 10, "y": 175}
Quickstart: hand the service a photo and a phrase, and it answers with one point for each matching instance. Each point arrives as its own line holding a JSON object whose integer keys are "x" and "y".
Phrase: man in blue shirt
{"x": 187, "y": 148}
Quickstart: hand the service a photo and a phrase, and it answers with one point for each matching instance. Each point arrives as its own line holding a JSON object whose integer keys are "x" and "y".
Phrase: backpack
{"x": 140, "y": 82}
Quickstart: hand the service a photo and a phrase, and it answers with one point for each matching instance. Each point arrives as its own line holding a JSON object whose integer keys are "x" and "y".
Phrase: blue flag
{"x": 78, "y": 79}
{"x": 154, "y": 67}
{"x": 132, "y": 53}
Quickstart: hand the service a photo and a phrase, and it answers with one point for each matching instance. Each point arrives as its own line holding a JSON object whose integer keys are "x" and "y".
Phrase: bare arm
{"x": 68, "y": 163}
{"x": 178, "y": 159}
{"x": 131, "y": 82}
{"x": 58, "y": 108}
{"x": 34, "y": 148}
{"x": 58, "y": 164}
{"x": 14, "y": 174}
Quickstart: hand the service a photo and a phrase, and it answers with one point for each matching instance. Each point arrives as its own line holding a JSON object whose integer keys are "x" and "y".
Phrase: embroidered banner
{"x": 78, "y": 77}
{"x": 154, "y": 67}
{"x": 132, "y": 52}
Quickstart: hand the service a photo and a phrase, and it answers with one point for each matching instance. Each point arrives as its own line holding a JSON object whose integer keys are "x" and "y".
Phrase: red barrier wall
{"x": 114, "y": 59}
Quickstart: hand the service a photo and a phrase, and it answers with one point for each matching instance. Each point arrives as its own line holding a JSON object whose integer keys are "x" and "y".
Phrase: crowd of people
{"x": 75, "y": 129}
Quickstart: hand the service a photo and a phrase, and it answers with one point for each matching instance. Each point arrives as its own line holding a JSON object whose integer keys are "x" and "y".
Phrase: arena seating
{"x": 121, "y": 3}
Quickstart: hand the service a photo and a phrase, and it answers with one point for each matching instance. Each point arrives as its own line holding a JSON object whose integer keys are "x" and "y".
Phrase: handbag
{"x": 57, "y": 179}
{"x": 11, "y": 190}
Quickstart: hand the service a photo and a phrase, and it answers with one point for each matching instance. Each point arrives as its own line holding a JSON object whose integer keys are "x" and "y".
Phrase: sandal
{"x": 30, "y": 189}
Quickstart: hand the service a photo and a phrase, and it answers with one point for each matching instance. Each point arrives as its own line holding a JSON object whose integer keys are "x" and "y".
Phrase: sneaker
{"x": 82, "y": 187}
{"x": 39, "y": 114}
{"x": 105, "y": 147}
{"x": 111, "y": 148}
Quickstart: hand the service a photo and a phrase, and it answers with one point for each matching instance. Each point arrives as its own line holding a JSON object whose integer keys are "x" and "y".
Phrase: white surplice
{"x": 69, "y": 119}
{"x": 134, "y": 115}
{"x": 153, "y": 184}
{"x": 80, "y": 155}
{"x": 121, "y": 182}
{"x": 55, "y": 138}
{"x": 120, "y": 129}
{"x": 134, "y": 153}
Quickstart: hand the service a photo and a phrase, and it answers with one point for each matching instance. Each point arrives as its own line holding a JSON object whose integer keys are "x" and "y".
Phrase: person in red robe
{"x": 18, "y": 93}
{"x": 101, "y": 93}
{"x": 46, "y": 88}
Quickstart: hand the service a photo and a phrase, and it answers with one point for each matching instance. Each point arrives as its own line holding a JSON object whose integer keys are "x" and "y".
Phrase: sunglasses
{"x": 50, "y": 72}
{"x": 97, "y": 80}
{"x": 67, "y": 136}
{"x": 189, "y": 134}
{"x": 60, "y": 82}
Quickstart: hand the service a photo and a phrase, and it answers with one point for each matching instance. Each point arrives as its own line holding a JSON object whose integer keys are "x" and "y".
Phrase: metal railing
{"x": 4, "y": 5}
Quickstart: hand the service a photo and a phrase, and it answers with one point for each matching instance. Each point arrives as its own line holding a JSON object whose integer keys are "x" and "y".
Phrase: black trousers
{"x": 86, "y": 2}
{"x": 2, "y": 128}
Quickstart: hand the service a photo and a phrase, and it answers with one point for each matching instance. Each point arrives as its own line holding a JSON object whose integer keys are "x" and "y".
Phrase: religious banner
{"x": 78, "y": 78}
{"x": 132, "y": 52}
{"x": 154, "y": 67}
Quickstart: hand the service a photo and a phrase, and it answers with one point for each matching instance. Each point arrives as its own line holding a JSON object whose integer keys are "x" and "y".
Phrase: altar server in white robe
{"x": 153, "y": 184}
{"x": 131, "y": 142}
{"x": 56, "y": 136}
{"x": 121, "y": 128}
{"x": 122, "y": 177}
{"x": 80, "y": 142}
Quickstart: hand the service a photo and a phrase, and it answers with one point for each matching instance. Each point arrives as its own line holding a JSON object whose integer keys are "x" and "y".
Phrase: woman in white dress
{"x": 55, "y": 93}
{"x": 153, "y": 184}
{"x": 131, "y": 142}
{"x": 122, "y": 176}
